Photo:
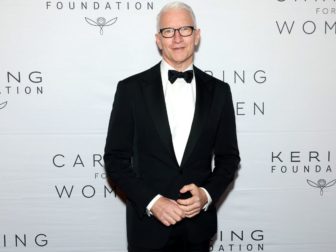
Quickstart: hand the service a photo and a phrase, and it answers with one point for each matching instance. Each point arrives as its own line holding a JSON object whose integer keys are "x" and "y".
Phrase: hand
{"x": 167, "y": 211}
{"x": 193, "y": 205}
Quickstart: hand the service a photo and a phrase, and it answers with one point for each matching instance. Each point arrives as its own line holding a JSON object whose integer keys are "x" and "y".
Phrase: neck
{"x": 179, "y": 66}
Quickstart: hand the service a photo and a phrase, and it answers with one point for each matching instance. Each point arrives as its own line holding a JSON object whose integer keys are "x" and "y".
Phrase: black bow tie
{"x": 173, "y": 75}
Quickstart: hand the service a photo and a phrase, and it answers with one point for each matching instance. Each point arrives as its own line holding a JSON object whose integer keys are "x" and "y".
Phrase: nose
{"x": 177, "y": 37}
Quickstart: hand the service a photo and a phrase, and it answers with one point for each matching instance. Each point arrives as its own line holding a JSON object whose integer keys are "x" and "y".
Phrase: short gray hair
{"x": 175, "y": 5}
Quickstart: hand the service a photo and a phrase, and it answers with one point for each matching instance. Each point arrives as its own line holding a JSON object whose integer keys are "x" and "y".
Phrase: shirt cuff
{"x": 209, "y": 199}
{"x": 151, "y": 203}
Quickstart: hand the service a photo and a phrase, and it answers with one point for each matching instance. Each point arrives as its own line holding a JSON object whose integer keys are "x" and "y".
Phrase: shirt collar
{"x": 165, "y": 67}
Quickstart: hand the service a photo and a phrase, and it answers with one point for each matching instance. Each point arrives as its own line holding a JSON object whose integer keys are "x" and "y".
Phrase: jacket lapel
{"x": 202, "y": 107}
{"x": 154, "y": 98}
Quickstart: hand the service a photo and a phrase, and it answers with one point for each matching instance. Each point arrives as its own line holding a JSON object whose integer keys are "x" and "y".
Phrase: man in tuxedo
{"x": 166, "y": 126}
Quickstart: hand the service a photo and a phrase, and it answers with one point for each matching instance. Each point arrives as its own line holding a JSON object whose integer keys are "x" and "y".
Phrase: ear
{"x": 197, "y": 36}
{"x": 158, "y": 40}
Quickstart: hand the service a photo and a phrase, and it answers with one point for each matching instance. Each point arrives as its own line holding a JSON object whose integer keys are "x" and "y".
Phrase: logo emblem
{"x": 101, "y": 23}
{"x": 321, "y": 183}
{"x": 3, "y": 104}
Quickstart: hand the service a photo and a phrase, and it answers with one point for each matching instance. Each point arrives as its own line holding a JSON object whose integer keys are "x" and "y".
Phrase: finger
{"x": 170, "y": 219}
{"x": 187, "y": 188}
{"x": 180, "y": 212}
{"x": 183, "y": 202}
{"x": 177, "y": 209}
{"x": 174, "y": 202}
{"x": 190, "y": 208}
{"x": 186, "y": 209}
{"x": 192, "y": 215}
{"x": 175, "y": 212}
{"x": 176, "y": 217}
{"x": 165, "y": 220}
{"x": 190, "y": 201}
{"x": 192, "y": 211}
{"x": 186, "y": 202}
{"x": 166, "y": 223}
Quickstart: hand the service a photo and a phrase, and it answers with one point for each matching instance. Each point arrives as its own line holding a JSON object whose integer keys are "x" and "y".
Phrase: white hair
{"x": 175, "y": 5}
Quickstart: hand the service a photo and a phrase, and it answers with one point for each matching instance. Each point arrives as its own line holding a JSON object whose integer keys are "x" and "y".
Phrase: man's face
{"x": 177, "y": 51}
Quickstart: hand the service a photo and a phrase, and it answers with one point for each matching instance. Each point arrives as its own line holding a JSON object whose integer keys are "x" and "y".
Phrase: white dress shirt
{"x": 180, "y": 99}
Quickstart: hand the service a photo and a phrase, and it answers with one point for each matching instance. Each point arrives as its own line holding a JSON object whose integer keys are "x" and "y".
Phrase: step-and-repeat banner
{"x": 60, "y": 61}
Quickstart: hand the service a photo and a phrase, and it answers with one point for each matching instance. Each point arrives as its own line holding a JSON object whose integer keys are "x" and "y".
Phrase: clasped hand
{"x": 169, "y": 211}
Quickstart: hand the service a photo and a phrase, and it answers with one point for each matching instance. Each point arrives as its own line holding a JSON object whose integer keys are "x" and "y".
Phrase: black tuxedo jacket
{"x": 139, "y": 155}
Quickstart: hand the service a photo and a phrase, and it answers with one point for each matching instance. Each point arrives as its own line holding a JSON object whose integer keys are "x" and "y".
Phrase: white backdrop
{"x": 60, "y": 62}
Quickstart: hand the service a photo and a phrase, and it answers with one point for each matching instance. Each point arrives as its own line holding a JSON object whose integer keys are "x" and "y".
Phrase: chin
{"x": 180, "y": 59}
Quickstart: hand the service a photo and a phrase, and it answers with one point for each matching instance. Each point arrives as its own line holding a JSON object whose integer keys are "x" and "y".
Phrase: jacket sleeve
{"x": 119, "y": 151}
{"x": 226, "y": 153}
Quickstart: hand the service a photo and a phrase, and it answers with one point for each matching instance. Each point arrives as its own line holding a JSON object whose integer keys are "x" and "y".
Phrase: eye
{"x": 185, "y": 28}
{"x": 168, "y": 31}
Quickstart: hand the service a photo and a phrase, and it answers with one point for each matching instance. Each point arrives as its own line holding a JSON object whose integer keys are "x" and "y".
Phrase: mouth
{"x": 178, "y": 48}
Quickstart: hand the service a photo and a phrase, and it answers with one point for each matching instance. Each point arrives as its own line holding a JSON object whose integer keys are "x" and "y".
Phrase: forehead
{"x": 175, "y": 18}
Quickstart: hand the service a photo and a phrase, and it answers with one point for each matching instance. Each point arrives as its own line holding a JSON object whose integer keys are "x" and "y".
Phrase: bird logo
{"x": 101, "y": 22}
{"x": 321, "y": 184}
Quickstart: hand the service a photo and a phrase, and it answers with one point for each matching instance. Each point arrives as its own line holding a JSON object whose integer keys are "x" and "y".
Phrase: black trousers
{"x": 177, "y": 242}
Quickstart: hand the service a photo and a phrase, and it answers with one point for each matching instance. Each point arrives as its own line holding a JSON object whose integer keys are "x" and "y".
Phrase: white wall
{"x": 283, "y": 84}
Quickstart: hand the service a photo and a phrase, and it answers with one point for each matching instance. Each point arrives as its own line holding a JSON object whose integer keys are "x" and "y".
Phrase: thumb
{"x": 186, "y": 188}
